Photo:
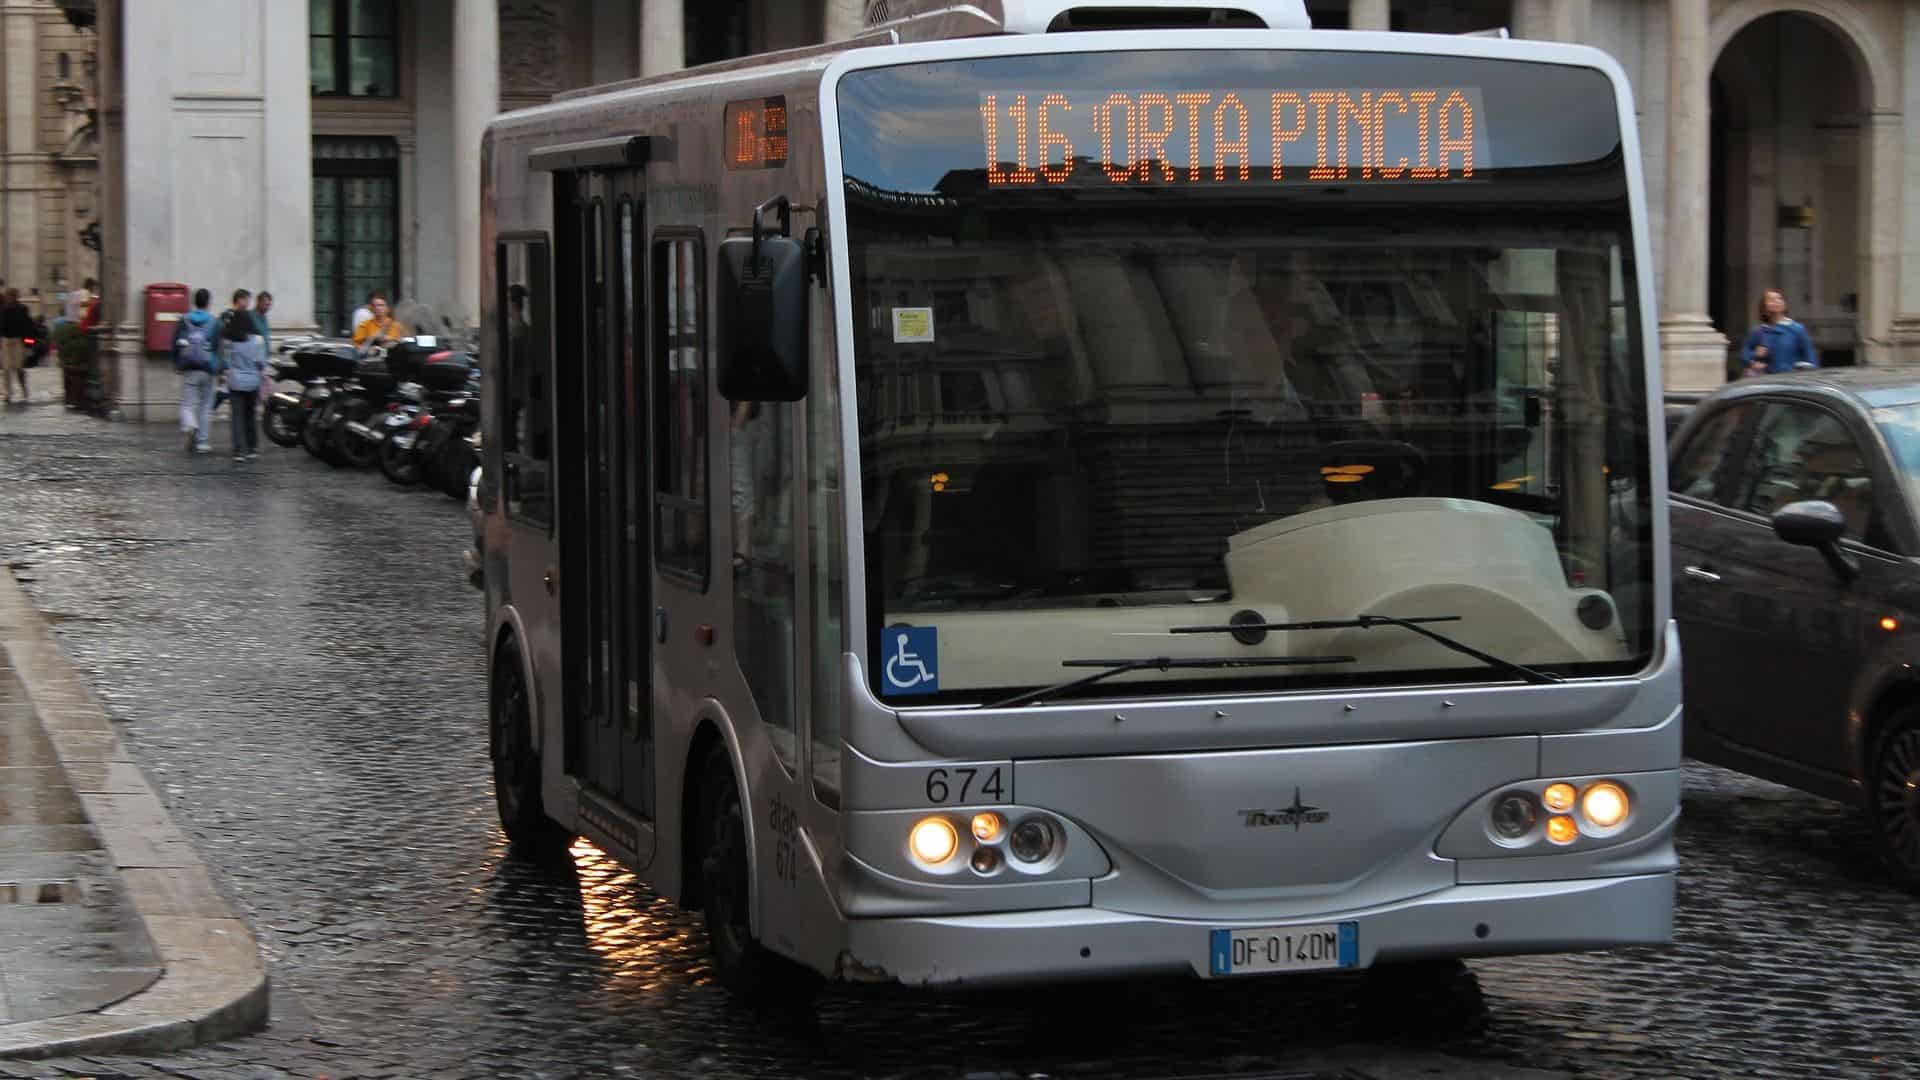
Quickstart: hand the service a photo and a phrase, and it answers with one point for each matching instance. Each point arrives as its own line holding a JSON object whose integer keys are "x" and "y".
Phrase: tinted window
{"x": 1697, "y": 472}
{"x": 680, "y": 405}
{"x": 1800, "y": 452}
{"x": 526, "y": 430}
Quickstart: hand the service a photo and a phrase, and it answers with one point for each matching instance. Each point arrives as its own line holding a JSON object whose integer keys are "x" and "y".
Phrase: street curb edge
{"x": 213, "y": 983}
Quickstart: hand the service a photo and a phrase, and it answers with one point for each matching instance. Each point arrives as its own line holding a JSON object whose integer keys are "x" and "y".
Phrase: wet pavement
{"x": 295, "y": 659}
{"x": 69, "y": 941}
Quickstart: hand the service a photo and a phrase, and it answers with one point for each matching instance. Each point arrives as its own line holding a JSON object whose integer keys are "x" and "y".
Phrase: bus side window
{"x": 680, "y": 405}
{"x": 526, "y": 427}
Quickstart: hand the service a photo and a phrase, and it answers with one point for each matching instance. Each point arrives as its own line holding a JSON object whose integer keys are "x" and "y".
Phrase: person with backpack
{"x": 245, "y": 361}
{"x": 16, "y": 326}
{"x": 196, "y": 356}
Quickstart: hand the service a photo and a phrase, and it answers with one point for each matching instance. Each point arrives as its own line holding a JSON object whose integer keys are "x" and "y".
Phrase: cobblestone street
{"x": 295, "y": 658}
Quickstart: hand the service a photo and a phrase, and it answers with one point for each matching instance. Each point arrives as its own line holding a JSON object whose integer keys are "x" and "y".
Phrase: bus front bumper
{"x": 1069, "y": 943}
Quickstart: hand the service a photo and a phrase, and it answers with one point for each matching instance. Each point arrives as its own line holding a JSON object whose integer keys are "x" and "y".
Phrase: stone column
{"x": 21, "y": 222}
{"x": 843, "y": 19}
{"x": 1370, "y": 15}
{"x": 1693, "y": 351}
{"x": 1552, "y": 20}
{"x": 288, "y": 168}
{"x": 1906, "y": 321}
{"x": 663, "y": 36}
{"x": 476, "y": 100}
{"x": 1880, "y": 198}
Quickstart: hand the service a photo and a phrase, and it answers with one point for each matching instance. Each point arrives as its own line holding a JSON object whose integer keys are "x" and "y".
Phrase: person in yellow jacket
{"x": 382, "y": 329}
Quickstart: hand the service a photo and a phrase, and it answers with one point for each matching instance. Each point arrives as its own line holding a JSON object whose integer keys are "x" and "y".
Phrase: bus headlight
{"x": 987, "y": 827}
{"x": 1514, "y": 815}
{"x": 1032, "y": 840}
{"x": 933, "y": 840}
{"x": 1562, "y": 830}
{"x": 1605, "y": 804}
{"x": 1558, "y": 797}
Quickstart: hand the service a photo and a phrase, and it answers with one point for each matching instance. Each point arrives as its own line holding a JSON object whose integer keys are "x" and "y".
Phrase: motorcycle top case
{"x": 446, "y": 375}
{"x": 377, "y": 374}
{"x": 324, "y": 360}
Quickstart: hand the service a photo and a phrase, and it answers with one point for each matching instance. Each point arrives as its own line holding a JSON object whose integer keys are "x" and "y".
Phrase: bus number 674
{"x": 960, "y": 784}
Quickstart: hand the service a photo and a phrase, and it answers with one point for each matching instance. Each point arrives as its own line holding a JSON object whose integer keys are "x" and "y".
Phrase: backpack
{"x": 198, "y": 352}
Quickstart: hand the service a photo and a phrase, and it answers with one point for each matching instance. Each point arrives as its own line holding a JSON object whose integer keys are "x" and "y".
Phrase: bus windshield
{"x": 1158, "y": 340}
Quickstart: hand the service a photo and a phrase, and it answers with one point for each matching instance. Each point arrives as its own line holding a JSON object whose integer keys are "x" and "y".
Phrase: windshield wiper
{"x": 1368, "y": 622}
{"x": 1110, "y": 668}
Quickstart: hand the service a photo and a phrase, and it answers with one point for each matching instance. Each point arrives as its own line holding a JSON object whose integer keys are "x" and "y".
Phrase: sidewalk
{"x": 112, "y": 936}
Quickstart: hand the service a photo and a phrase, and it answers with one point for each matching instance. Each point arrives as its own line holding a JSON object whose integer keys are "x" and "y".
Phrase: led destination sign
{"x": 1226, "y": 137}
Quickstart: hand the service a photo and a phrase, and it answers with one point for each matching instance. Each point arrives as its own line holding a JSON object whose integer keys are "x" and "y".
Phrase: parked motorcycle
{"x": 379, "y": 388}
{"x": 317, "y": 365}
{"x": 448, "y": 446}
{"x": 442, "y": 386}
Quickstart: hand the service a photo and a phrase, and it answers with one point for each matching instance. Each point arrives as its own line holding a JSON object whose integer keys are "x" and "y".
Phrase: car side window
{"x": 1802, "y": 452}
{"x": 1701, "y": 464}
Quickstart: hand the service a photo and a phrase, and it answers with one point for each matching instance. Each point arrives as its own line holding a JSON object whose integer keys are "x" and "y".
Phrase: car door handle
{"x": 1702, "y": 573}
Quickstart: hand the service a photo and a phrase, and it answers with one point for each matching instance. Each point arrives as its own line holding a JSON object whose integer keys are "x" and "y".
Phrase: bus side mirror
{"x": 762, "y": 324}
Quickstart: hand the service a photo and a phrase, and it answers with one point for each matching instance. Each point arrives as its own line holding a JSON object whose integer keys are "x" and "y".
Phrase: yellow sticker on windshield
{"x": 912, "y": 324}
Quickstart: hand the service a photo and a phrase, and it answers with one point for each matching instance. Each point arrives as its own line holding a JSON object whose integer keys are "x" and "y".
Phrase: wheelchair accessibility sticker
{"x": 913, "y": 659}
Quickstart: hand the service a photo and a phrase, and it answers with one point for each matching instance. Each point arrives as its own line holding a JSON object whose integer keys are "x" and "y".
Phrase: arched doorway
{"x": 1790, "y": 180}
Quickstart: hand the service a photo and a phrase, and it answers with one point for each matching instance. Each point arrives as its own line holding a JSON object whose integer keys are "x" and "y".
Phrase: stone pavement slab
{"x": 113, "y": 937}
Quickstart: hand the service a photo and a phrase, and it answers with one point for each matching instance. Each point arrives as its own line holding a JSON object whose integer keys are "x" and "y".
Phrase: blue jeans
{"x": 246, "y": 437}
{"x": 196, "y": 403}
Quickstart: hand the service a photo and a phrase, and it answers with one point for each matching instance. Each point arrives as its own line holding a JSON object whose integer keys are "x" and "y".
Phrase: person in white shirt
{"x": 78, "y": 299}
{"x": 362, "y": 313}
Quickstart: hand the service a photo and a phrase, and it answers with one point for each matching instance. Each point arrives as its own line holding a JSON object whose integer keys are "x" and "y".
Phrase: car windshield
{"x": 1121, "y": 368}
{"x": 1900, "y": 426}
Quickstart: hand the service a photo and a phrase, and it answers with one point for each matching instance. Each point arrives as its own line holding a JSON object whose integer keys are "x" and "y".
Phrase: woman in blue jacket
{"x": 1778, "y": 343}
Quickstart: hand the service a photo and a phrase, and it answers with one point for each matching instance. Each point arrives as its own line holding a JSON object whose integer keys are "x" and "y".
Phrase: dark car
{"x": 1796, "y": 582}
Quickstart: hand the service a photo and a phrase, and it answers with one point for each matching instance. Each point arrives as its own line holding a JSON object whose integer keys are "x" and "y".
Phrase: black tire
{"x": 741, "y": 964}
{"x": 312, "y": 440}
{"x": 354, "y": 451}
{"x": 1893, "y": 796}
{"x": 516, "y": 764}
{"x": 402, "y": 466}
{"x": 279, "y": 429}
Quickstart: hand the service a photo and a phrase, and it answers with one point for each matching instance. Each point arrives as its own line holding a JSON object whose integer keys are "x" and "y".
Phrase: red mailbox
{"x": 166, "y": 303}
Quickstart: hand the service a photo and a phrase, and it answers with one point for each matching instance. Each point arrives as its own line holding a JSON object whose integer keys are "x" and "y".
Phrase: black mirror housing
{"x": 1817, "y": 524}
{"x": 762, "y": 329}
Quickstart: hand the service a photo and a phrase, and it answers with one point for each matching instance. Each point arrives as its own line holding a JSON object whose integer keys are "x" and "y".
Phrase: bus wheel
{"x": 740, "y": 963}
{"x": 1893, "y": 797}
{"x": 516, "y": 764}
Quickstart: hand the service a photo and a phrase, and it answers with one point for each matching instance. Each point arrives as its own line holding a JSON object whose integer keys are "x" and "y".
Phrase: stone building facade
{"x": 340, "y": 154}
{"x": 49, "y": 165}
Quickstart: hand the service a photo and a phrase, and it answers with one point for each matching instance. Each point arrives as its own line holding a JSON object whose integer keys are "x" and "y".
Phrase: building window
{"x": 350, "y": 48}
{"x": 718, "y": 31}
{"x": 356, "y": 226}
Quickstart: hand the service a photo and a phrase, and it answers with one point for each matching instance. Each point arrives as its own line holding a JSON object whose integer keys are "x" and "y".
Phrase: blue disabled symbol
{"x": 913, "y": 659}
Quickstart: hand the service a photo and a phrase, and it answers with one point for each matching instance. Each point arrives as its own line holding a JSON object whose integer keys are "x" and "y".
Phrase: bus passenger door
{"x": 604, "y": 517}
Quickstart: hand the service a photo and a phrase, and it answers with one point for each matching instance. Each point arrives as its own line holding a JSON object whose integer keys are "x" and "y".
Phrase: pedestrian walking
{"x": 236, "y": 313}
{"x": 1778, "y": 343}
{"x": 262, "y": 304}
{"x": 16, "y": 326}
{"x": 245, "y": 363}
{"x": 196, "y": 355}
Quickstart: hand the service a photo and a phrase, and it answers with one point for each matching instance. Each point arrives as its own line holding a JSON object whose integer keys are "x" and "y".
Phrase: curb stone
{"x": 213, "y": 983}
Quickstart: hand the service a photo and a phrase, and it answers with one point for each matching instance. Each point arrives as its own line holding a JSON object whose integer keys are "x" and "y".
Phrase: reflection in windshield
{"x": 1900, "y": 425}
{"x": 1083, "y": 421}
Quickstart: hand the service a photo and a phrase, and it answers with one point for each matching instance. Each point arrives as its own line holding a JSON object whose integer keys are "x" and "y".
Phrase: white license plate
{"x": 1262, "y": 949}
